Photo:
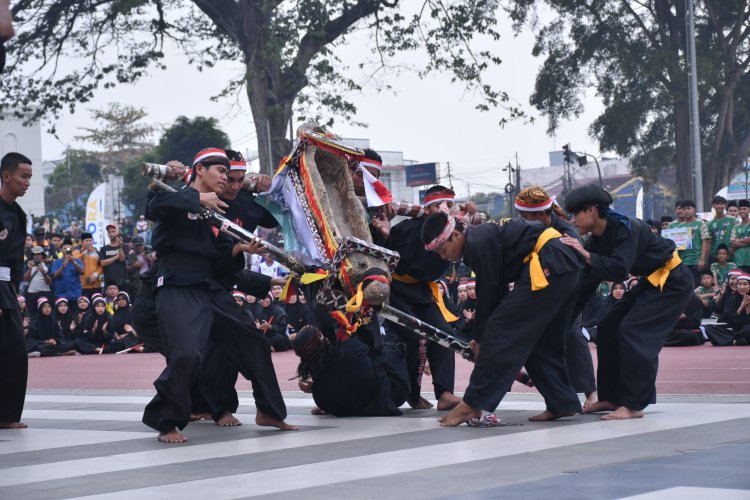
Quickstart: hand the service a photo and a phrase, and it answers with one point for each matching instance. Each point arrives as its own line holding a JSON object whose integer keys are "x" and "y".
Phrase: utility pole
{"x": 450, "y": 178}
{"x": 468, "y": 188}
{"x": 695, "y": 144}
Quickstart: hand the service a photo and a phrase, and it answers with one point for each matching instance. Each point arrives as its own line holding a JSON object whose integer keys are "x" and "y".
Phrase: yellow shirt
{"x": 91, "y": 265}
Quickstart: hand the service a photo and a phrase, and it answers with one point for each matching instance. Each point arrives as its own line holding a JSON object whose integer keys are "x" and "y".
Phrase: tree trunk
{"x": 683, "y": 164}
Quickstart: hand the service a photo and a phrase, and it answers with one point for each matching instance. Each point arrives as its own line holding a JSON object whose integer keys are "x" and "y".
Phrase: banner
{"x": 95, "y": 221}
{"x": 682, "y": 237}
{"x": 421, "y": 174}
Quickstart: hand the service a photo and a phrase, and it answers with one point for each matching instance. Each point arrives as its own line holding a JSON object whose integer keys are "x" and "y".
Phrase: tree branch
{"x": 313, "y": 41}
{"x": 223, "y": 13}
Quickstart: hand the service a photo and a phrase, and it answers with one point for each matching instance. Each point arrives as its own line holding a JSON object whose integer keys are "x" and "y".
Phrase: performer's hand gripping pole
{"x": 427, "y": 331}
{"x": 238, "y": 232}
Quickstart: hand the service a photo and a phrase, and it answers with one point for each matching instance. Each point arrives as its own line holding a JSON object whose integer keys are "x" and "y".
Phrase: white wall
{"x": 14, "y": 137}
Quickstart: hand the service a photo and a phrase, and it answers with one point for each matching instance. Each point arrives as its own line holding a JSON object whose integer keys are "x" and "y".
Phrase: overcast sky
{"x": 429, "y": 120}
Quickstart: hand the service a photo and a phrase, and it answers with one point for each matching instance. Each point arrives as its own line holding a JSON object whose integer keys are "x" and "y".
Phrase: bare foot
{"x": 194, "y": 417}
{"x": 547, "y": 416}
{"x": 623, "y": 413}
{"x": 600, "y": 406}
{"x": 172, "y": 436}
{"x": 318, "y": 411}
{"x": 267, "y": 421}
{"x": 460, "y": 414}
{"x": 447, "y": 401}
{"x": 420, "y": 404}
{"x": 228, "y": 420}
{"x": 12, "y": 425}
{"x": 427, "y": 369}
{"x": 591, "y": 398}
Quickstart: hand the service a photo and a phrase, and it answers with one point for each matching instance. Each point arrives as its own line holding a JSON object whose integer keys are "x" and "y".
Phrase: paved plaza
{"x": 87, "y": 441}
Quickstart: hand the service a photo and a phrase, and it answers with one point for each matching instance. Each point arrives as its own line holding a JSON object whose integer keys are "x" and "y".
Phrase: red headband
{"x": 440, "y": 197}
{"x": 440, "y": 238}
{"x": 208, "y": 153}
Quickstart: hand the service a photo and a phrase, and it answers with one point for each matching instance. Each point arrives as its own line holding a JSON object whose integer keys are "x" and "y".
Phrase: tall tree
{"x": 121, "y": 136}
{"x": 180, "y": 141}
{"x": 286, "y": 47}
{"x": 633, "y": 54}
{"x": 70, "y": 183}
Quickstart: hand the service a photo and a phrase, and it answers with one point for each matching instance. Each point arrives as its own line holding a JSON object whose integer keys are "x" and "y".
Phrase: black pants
{"x": 218, "y": 379}
{"x": 528, "y": 327}
{"x": 14, "y": 366}
{"x": 631, "y": 336}
{"x": 187, "y": 317}
{"x": 578, "y": 358}
{"x": 442, "y": 360}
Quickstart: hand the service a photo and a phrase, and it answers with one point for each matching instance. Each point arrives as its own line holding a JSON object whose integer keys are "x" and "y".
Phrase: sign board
{"x": 682, "y": 237}
{"x": 95, "y": 221}
{"x": 421, "y": 174}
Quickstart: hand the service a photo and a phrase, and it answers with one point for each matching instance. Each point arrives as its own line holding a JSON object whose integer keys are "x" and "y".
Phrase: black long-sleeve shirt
{"x": 190, "y": 250}
{"x": 405, "y": 237}
{"x": 12, "y": 240}
{"x": 496, "y": 253}
{"x": 627, "y": 246}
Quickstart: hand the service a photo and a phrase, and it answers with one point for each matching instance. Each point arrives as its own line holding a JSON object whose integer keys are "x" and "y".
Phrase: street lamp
{"x": 582, "y": 161}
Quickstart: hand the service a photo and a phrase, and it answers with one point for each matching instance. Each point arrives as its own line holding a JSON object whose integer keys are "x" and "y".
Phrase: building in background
{"x": 27, "y": 140}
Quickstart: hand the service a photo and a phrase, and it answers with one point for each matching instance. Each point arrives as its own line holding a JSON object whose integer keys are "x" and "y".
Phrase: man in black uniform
{"x": 218, "y": 377}
{"x": 191, "y": 300}
{"x": 346, "y": 380}
{"x": 415, "y": 292}
{"x": 517, "y": 327}
{"x": 631, "y": 335}
{"x": 15, "y": 173}
{"x": 533, "y": 203}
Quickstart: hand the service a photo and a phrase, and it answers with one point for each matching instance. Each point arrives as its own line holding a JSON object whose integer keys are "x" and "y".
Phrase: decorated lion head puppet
{"x": 325, "y": 225}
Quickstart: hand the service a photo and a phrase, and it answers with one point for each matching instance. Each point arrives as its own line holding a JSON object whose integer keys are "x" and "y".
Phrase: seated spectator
{"x": 591, "y": 322}
{"x": 705, "y": 292}
{"x": 276, "y": 291}
{"x": 125, "y": 336}
{"x": 65, "y": 319}
{"x": 724, "y": 294}
{"x": 272, "y": 321}
{"x": 722, "y": 266}
{"x": 687, "y": 331}
{"x": 242, "y": 300}
{"x": 97, "y": 329}
{"x": 22, "y": 307}
{"x": 467, "y": 311}
{"x": 461, "y": 295}
{"x": 739, "y": 318}
{"x": 632, "y": 282}
{"x": 46, "y": 332}
{"x": 110, "y": 297}
{"x": 253, "y": 306}
{"x": 297, "y": 314}
{"x": 67, "y": 272}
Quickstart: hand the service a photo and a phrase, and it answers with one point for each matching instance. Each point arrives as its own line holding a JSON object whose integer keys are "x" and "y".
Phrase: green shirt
{"x": 721, "y": 232}
{"x": 720, "y": 273}
{"x": 741, "y": 256}
{"x": 699, "y": 229}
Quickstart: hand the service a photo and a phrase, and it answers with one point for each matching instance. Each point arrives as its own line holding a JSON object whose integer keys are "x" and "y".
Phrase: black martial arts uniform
{"x": 65, "y": 322}
{"x": 522, "y": 326}
{"x": 687, "y": 331}
{"x": 411, "y": 294}
{"x": 192, "y": 304}
{"x": 14, "y": 364}
{"x": 631, "y": 335}
{"x": 577, "y": 353}
{"x": 124, "y": 316}
{"x": 347, "y": 381}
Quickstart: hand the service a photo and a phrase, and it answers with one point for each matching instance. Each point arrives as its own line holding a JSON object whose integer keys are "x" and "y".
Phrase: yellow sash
{"x": 538, "y": 279}
{"x": 659, "y": 277}
{"x": 405, "y": 278}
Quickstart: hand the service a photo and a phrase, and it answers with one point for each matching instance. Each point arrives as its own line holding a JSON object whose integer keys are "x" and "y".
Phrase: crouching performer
{"x": 191, "y": 300}
{"x": 631, "y": 335}
{"x": 518, "y": 327}
{"x": 346, "y": 380}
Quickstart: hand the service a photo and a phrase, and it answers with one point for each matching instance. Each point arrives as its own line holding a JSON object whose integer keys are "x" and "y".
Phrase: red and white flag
{"x": 375, "y": 191}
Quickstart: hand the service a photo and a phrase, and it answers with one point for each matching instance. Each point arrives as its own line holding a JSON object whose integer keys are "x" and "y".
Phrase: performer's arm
{"x": 615, "y": 267}
{"x": 172, "y": 204}
{"x": 255, "y": 284}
